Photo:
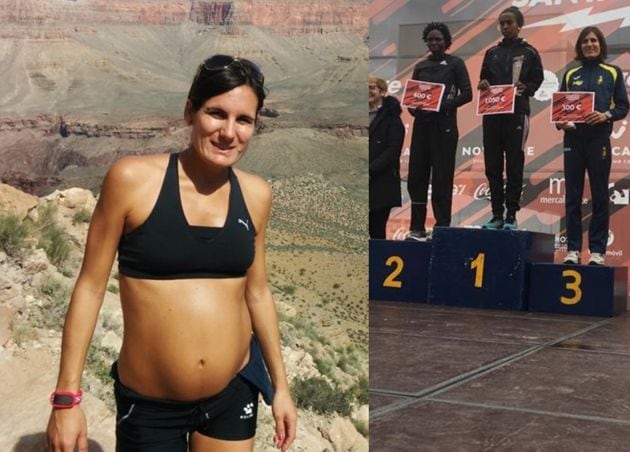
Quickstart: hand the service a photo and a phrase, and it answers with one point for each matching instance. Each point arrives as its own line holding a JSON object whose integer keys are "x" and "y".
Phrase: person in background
{"x": 199, "y": 315}
{"x": 511, "y": 62}
{"x": 587, "y": 144}
{"x": 435, "y": 134}
{"x": 385, "y": 144}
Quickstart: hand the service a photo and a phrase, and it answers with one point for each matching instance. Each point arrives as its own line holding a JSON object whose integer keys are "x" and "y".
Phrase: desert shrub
{"x": 46, "y": 214}
{"x": 52, "y": 238}
{"x": 13, "y": 233}
{"x": 349, "y": 359}
{"x": 361, "y": 426}
{"x": 82, "y": 215}
{"x": 68, "y": 272}
{"x": 99, "y": 360}
{"x": 360, "y": 391}
{"x": 324, "y": 366}
{"x": 315, "y": 393}
{"x": 97, "y": 380}
{"x": 56, "y": 243}
{"x": 307, "y": 328}
{"x": 52, "y": 311}
{"x": 22, "y": 331}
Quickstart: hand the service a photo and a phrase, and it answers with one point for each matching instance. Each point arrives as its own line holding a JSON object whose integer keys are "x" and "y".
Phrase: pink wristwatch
{"x": 65, "y": 399}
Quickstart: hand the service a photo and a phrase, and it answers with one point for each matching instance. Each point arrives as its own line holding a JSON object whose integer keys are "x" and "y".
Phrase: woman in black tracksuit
{"x": 386, "y": 140}
{"x": 435, "y": 134}
{"x": 587, "y": 145}
{"x": 506, "y": 133}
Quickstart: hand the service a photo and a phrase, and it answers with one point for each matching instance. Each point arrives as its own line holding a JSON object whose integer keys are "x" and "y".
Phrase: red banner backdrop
{"x": 552, "y": 26}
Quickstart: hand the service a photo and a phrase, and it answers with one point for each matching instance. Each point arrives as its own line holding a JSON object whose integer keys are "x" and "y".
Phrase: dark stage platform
{"x": 459, "y": 379}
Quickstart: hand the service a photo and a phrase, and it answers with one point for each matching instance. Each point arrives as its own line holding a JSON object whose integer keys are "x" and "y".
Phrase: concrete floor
{"x": 459, "y": 379}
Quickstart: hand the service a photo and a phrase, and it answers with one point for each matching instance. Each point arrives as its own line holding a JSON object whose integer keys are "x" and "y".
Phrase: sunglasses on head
{"x": 219, "y": 63}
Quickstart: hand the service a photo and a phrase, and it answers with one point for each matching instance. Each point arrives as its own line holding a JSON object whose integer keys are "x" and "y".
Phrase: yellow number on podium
{"x": 477, "y": 265}
{"x": 391, "y": 280}
{"x": 573, "y": 286}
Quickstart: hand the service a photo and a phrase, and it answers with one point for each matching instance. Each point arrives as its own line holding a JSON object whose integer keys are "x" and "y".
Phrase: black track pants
{"x": 432, "y": 157}
{"x": 378, "y": 222}
{"x": 505, "y": 135}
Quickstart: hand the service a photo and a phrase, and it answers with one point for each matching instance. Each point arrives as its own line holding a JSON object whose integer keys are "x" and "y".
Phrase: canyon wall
{"x": 284, "y": 16}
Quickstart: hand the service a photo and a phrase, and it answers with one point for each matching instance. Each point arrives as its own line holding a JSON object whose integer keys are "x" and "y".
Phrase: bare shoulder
{"x": 257, "y": 195}
{"x": 133, "y": 170}
{"x": 135, "y": 173}
{"x": 254, "y": 187}
{"x": 131, "y": 185}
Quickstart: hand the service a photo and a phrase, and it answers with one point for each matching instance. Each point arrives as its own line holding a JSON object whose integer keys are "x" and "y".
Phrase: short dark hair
{"x": 442, "y": 28}
{"x": 603, "y": 47}
{"x": 231, "y": 72}
{"x": 518, "y": 15}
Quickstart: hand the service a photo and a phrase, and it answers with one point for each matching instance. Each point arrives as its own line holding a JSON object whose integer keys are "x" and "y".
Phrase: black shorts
{"x": 157, "y": 425}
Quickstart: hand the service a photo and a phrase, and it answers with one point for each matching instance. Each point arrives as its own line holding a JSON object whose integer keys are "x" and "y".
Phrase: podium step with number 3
{"x": 578, "y": 289}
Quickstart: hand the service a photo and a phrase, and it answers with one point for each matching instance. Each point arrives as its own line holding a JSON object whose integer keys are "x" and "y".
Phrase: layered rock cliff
{"x": 289, "y": 15}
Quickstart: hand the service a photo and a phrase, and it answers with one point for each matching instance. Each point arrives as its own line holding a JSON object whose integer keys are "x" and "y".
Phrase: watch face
{"x": 60, "y": 399}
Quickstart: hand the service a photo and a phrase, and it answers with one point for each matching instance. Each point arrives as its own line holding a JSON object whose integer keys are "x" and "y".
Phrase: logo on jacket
{"x": 577, "y": 82}
{"x": 600, "y": 80}
{"x": 443, "y": 63}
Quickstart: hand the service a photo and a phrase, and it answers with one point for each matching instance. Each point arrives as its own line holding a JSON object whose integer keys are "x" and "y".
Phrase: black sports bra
{"x": 165, "y": 246}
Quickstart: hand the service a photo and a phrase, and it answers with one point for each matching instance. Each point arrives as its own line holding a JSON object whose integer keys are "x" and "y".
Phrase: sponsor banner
{"x": 496, "y": 100}
{"x": 571, "y": 106}
{"x": 424, "y": 95}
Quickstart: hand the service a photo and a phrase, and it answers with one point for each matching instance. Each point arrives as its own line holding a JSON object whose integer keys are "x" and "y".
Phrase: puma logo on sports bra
{"x": 165, "y": 246}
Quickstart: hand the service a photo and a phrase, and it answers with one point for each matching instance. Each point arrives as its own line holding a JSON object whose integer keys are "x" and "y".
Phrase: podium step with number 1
{"x": 483, "y": 268}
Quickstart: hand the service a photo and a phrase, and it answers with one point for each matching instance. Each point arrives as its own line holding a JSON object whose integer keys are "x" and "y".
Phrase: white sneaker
{"x": 418, "y": 236}
{"x": 572, "y": 257}
{"x": 596, "y": 259}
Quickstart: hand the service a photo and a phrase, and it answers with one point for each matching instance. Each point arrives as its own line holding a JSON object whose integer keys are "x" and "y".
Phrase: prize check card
{"x": 497, "y": 99}
{"x": 424, "y": 95}
{"x": 571, "y": 106}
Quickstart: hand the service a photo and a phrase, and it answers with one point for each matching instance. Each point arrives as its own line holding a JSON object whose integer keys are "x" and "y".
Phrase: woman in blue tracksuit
{"x": 587, "y": 144}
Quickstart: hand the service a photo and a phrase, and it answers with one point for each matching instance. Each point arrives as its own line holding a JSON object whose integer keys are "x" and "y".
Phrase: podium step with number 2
{"x": 399, "y": 270}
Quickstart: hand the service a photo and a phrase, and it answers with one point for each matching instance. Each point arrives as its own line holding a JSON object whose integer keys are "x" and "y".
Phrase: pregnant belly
{"x": 183, "y": 341}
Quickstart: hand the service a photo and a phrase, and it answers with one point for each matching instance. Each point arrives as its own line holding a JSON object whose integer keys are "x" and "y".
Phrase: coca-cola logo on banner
{"x": 482, "y": 191}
